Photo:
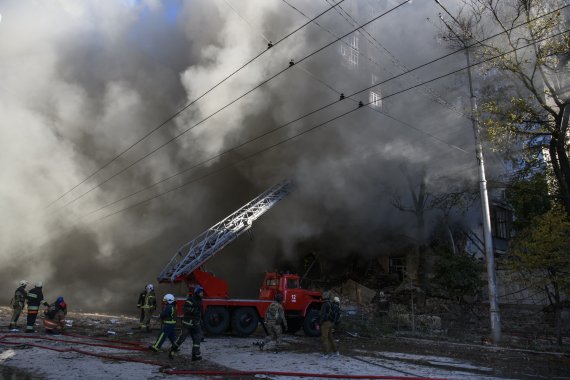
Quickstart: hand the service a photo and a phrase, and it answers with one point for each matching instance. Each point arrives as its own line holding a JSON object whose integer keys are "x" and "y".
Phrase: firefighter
{"x": 18, "y": 303}
{"x": 328, "y": 318}
{"x": 140, "y": 303}
{"x": 191, "y": 324}
{"x": 274, "y": 321}
{"x": 148, "y": 307}
{"x": 168, "y": 317}
{"x": 54, "y": 316}
{"x": 35, "y": 298}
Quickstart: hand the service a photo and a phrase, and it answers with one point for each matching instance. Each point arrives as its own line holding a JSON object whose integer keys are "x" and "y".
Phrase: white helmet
{"x": 24, "y": 283}
{"x": 149, "y": 287}
{"x": 39, "y": 284}
{"x": 336, "y": 300}
{"x": 169, "y": 298}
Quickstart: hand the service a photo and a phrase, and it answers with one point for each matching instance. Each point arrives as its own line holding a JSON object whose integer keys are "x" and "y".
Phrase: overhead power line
{"x": 245, "y": 158}
{"x": 185, "y": 107}
{"x": 430, "y": 93}
{"x": 291, "y": 64}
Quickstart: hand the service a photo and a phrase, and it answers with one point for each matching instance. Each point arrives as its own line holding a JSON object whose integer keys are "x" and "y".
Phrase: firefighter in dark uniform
{"x": 18, "y": 303}
{"x": 191, "y": 324}
{"x": 329, "y": 317}
{"x": 168, "y": 317}
{"x": 140, "y": 303}
{"x": 35, "y": 298}
{"x": 148, "y": 307}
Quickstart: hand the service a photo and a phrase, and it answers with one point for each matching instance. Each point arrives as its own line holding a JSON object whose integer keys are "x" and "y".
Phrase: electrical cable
{"x": 248, "y": 23}
{"x": 177, "y": 113}
{"x": 385, "y": 113}
{"x": 306, "y": 115}
{"x": 291, "y": 64}
{"x": 287, "y": 139}
{"x": 438, "y": 99}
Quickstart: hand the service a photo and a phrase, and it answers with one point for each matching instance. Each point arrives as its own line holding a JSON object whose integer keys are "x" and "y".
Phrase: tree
{"x": 529, "y": 199}
{"x": 458, "y": 277}
{"x": 539, "y": 257}
{"x": 526, "y": 95}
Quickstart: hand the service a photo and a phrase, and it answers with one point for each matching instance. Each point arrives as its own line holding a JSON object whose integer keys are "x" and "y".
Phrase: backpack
{"x": 335, "y": 312}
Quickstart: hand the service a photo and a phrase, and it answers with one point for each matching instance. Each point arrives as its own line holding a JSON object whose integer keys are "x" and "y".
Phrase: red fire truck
{"x": 241, "y": 316}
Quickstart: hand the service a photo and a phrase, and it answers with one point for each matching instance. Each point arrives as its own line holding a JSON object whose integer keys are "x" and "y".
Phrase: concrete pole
{"x": 487, "y": 236}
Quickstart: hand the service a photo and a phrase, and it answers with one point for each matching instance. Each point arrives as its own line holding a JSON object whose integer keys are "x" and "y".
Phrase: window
{"x": 343, "y": 49}
{"x": 501, "y": 221}
{"x": 292, "y": 283}
{"x": 272, "y": 282}
{"x": 397, "y": 265}
{"x": 353, "y": 57}
{"x": 375, "y": 99}
{"x": 374, "y": 79}
{"x": 353, "y": 41}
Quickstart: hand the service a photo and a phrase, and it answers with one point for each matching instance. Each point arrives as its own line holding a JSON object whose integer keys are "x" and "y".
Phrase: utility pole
{"x": 487, "y": 236}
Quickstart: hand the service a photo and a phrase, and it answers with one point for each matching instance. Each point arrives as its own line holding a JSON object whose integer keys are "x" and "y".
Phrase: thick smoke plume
{"x": 83, "y": 81}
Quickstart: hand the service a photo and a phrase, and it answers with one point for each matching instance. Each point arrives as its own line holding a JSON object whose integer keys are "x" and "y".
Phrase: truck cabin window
{"x": 272, "y": 282}
{"x": 292, "y": 283}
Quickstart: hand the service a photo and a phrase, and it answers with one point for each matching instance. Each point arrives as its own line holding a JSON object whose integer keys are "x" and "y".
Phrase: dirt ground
{"x": 109, "y": 347}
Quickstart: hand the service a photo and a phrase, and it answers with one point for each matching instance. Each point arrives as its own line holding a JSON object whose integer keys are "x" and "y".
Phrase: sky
{"x": 123, "y": 135}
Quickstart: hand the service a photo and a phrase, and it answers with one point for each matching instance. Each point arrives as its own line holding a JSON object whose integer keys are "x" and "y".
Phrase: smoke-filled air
{"x": 129, "y": 127}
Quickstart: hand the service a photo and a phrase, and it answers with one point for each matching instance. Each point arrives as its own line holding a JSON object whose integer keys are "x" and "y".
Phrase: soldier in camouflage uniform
{"x": 18, "y": 303}
{"x": 274, "y": 319}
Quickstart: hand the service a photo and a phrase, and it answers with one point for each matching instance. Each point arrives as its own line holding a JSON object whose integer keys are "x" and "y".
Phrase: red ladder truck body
{"x": 241, "y": 316}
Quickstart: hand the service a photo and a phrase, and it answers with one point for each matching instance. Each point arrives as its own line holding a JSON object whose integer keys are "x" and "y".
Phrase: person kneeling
{"x": 54, "y": 321}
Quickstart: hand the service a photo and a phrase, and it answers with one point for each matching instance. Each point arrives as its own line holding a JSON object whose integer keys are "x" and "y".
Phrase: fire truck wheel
{"x": 244, "y": 321}
{"x": 311, "y": 322}
{"x": 216, "y": 320}
{"x": 294, "y": 325}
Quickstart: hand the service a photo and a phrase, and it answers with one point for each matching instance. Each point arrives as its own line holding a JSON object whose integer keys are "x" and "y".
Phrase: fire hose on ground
{"x": 137, "y": 346}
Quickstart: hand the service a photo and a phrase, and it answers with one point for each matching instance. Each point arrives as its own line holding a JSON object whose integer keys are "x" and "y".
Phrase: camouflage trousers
{"x": 274, "y": 332}
{"x": 15, "y": 315}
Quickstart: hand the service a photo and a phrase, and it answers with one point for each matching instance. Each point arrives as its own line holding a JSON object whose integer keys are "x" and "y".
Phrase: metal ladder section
{"x": 196, "y": 252}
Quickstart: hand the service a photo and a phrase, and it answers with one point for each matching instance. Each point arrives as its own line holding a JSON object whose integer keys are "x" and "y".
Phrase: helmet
{"x": 336, "y": 300}
{"x": 326, "y": 295}
{"x": 23, "y": 283}
{"x": 39, "y": 284}
{"x": 59, "y": 300}
{"x": 149, "y": 288}
{"x": 198, "y": 289}
{"x": 279, "y": 297}
{"x": 169, "y": 298}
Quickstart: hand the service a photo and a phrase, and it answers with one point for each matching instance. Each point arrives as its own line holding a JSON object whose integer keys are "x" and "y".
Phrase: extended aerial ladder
{"x": 195, "y": 253}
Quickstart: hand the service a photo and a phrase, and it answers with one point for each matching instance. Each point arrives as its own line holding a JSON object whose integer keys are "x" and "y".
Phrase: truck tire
{"x": 311, "y": 323}
{"x": 294, "y": 324}
{"x": 216, "y": 320}
{"x": 244, "y": 321}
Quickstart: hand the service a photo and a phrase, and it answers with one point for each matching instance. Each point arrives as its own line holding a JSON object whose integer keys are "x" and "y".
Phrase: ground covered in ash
{"x": 110, "y": 347}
